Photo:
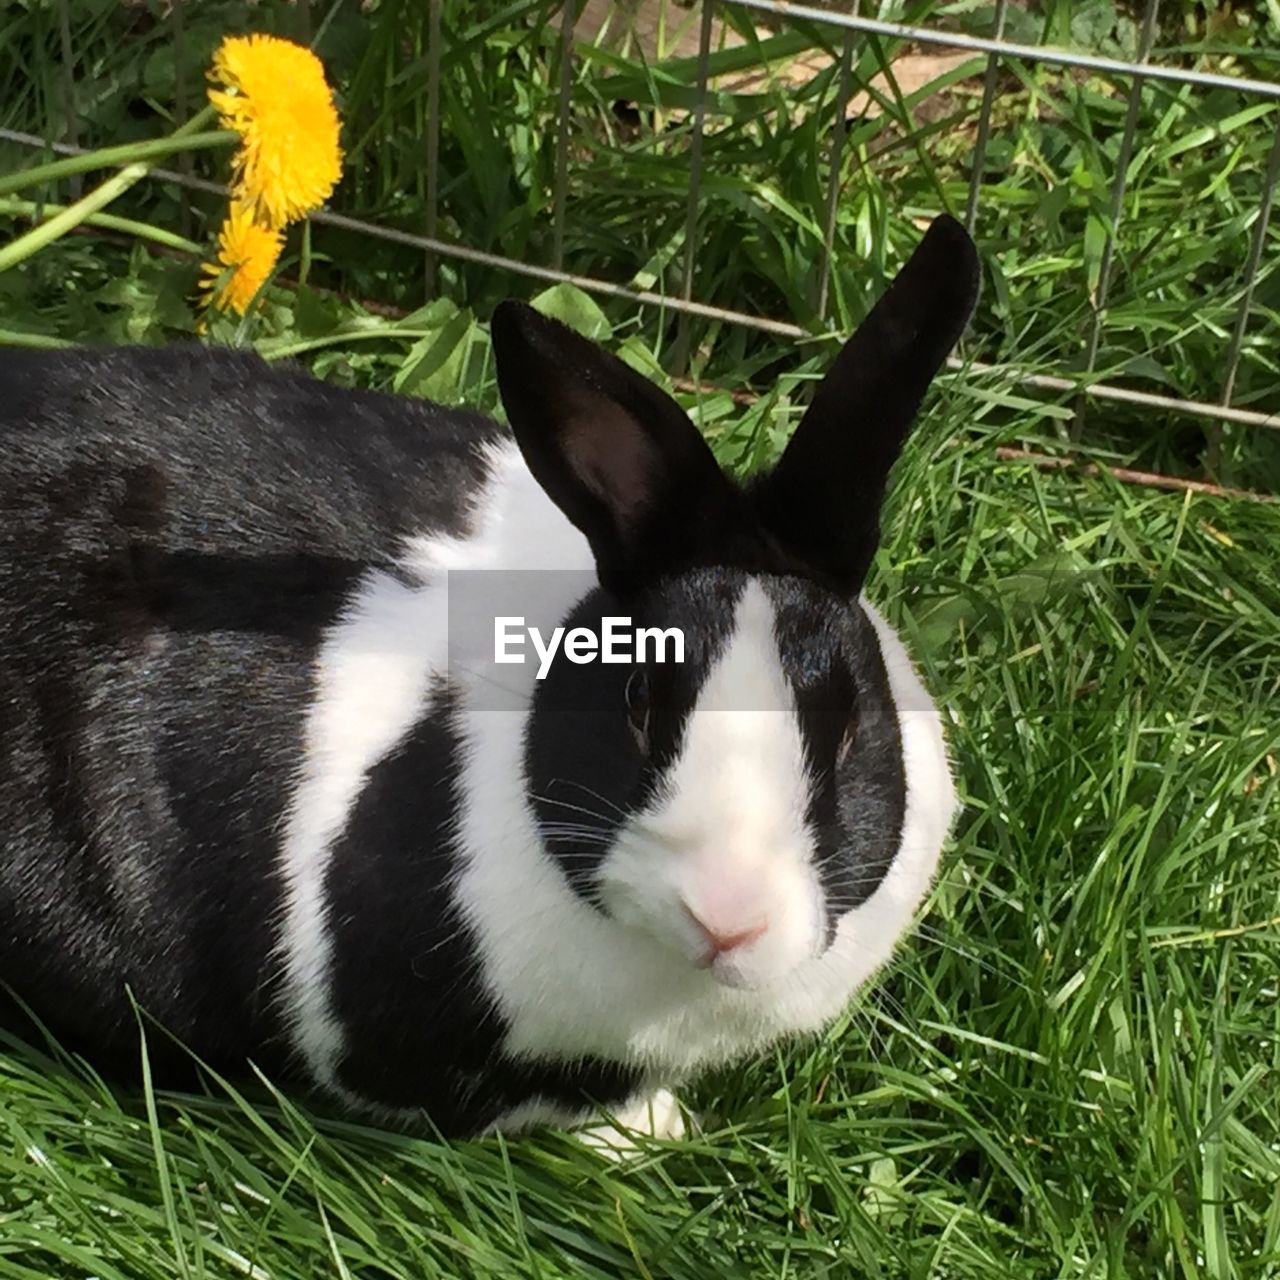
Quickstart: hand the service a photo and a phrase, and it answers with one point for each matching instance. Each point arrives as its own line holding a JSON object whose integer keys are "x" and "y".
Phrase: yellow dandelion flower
{"x": 247, "y": 254}
{"x": 275, "y": 97}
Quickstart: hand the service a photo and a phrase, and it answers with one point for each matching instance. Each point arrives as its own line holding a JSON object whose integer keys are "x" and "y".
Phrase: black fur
{"x": 430, "y": 1035}
{"x": 585, "y": 770}
{"x": 617, "y": 455}
{"x": 177, "y": 529}
{"x": 823, "y": 498}
{"x": 833, "y": 663}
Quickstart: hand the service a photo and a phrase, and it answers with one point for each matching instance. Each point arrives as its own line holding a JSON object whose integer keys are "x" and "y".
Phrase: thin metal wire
{"x": 1012, "y": 49}
{"x": 561, "y": 193}
{"x": 588, "y": 284}
{"x": 181, "y": 102}
{"x": 1149, "y": 400}
{"x": 1119, "y": 182}
{"x": 1213, "y": 457}
{"x": 70, "y": 124}
{"x": 431, "y": 262}
{"x": 839, "y": 131}
{"x": 984, "y": 121}
{"x": 1251, "y": 268}
{"x": 681, "y": 358}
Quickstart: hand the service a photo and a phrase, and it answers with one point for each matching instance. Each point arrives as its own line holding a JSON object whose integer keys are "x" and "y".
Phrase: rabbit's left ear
{"x": 822, "y": 500}
{"x": 614, "y": 452}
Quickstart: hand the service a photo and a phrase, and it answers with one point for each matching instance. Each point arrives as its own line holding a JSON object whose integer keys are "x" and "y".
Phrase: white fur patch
{"x": 726, "y": 842}
{"x": 370, "y": 682}
{"x": 656, "y": 1116}
{"x": 373, "y": 676}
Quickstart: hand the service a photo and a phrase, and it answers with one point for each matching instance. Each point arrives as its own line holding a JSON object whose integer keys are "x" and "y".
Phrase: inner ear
{"x": 611, "y": 449}
{"x": 616, "y": 462}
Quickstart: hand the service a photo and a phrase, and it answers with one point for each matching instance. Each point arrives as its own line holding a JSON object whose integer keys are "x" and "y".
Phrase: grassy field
{"x": 1073, "y": 1068}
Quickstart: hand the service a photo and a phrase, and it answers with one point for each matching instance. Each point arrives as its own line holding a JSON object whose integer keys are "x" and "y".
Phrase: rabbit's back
{"x": 178, "y": 530}
{"x": 253, "y": 457}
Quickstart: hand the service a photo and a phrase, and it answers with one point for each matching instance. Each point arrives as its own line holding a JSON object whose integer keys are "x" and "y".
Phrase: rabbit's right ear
{"x": 614, "y": 452}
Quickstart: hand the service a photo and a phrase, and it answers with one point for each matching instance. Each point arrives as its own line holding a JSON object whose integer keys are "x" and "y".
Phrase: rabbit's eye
{"x": 638, "y": 708}
{"x": 850, "y": 738}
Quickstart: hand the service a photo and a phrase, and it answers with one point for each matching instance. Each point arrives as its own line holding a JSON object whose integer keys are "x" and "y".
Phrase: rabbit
{"x": 248, "y": 787}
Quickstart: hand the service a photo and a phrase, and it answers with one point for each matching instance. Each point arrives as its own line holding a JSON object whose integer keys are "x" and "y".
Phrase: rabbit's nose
{"x": 720, "y": 940}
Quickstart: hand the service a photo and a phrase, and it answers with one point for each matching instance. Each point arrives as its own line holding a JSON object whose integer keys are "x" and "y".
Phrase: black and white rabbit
{"x": 242, "y": 778}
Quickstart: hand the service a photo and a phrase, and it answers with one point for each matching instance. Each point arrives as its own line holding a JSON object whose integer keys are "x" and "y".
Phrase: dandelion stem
{"x": 106, "y": 157}
{"x": 74, "y": 214}
{"x": 14, "y": 208}
{"x": 37, "y": 341}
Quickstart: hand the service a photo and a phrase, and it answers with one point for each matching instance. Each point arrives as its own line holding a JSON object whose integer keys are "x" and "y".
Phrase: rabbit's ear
{"x": 617, "y": 455}
{"x": 822, "y": 500}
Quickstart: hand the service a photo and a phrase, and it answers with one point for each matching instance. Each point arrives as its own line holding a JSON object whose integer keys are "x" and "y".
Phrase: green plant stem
{"x": 39, "y": 341}
{"x": 284, "y": 349}
{"x": 142, "y": 230}
{"x": 73, "y": 215}
{"x": 304, "y": 264}
{"x": 155, "y": 149}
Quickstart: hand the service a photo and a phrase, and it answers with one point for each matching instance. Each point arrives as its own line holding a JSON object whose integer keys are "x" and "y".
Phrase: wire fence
{"x": 997, "y": 49}
{"x": 845, "y": 35}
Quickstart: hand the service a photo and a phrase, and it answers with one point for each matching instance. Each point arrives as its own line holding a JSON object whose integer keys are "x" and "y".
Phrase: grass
{"x": 1071, "y": 1070}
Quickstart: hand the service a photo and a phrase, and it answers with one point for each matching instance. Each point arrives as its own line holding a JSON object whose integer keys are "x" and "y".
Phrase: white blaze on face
{"x": 724, "y": 848}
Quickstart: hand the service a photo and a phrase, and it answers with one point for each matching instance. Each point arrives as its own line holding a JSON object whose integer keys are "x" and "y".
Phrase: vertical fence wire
{"x": 984, "y": 121}
{"x": 70, "y": 122}
{"x": 181, "y": 105}
{"x": 431, "y": 261}
{"x": 839, "y": 131}
{"x": 1252, "y": 263}
{"x": 1116, "y": 209}
{"x": 563, "y": 103}
{"x": 695, "y": 184}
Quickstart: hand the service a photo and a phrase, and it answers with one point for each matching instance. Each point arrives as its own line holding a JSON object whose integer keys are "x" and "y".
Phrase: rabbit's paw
{"x": 657, "y": 1115}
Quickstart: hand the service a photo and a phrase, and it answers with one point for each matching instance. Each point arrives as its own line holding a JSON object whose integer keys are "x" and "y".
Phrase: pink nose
{"x": 721, "y": 941}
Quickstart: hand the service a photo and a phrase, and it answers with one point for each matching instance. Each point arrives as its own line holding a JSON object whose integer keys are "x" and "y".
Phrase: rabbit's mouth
{"x": 745, "y": 926}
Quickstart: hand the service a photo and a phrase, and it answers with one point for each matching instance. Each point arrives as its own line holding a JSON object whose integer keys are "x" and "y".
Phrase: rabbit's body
{"x": 174, "y": 548}
{"x": 245, "y": 773}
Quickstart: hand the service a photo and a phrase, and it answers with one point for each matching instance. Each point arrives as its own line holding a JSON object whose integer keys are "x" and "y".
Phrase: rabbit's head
{"x": 773, "y": 787}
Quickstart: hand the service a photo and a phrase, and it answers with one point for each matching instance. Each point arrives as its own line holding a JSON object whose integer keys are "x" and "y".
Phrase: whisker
{"x": 595, "y": 795}
{"x": 525, "y": 697}
{"x": 573, "y": 808}
{"x": 577, "y": 828}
